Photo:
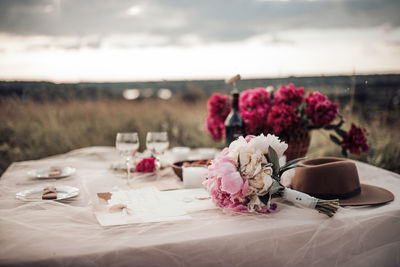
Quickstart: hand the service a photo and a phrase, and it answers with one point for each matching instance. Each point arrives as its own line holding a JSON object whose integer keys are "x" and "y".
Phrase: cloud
{"x": 177, "y": 21}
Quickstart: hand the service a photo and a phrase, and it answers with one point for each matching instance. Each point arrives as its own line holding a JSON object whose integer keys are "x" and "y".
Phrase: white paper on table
{"x": 148, "y": 205}
{"x": 192, "y": 200}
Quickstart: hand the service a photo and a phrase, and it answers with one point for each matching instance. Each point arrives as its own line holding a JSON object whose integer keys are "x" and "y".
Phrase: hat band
{"x": 353, "y": 193}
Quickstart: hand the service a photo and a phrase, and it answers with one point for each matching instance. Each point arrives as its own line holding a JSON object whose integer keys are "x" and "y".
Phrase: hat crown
{"x": 328, "y": 178}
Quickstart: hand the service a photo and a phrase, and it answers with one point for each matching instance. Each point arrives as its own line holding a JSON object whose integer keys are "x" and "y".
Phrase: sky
{"x": 124, "y": 40}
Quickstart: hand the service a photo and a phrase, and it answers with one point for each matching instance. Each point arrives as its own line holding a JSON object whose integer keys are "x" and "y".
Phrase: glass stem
{"x": 158, "y": 163}
{"x": 128, "y": 168}
{"x": 157, "y": 160}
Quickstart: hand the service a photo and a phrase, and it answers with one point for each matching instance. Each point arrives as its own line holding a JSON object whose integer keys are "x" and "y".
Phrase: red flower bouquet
{"x": 288, "y": 114}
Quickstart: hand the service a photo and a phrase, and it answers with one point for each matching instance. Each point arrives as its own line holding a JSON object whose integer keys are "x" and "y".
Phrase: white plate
{"x": 44, "y": 173}
{"x": 35, "y": 194}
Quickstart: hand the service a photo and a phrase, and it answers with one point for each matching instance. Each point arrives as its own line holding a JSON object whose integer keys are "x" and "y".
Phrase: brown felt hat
{"x": 332, "y": 178}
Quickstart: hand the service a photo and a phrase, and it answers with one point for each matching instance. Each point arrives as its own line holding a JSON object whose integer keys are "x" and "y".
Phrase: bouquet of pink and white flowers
{"x": 246, "y": 175}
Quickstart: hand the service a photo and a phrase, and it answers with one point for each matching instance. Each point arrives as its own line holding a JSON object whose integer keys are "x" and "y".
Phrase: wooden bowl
{"x": 177, "y": 166}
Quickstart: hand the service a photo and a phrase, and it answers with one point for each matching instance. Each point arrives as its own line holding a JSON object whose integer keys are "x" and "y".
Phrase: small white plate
{"x": 44, "y": 173}
{"x": 35, "y": 194}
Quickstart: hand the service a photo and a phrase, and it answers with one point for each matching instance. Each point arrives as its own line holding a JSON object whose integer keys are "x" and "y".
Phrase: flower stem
{"x": 328, "y": 207}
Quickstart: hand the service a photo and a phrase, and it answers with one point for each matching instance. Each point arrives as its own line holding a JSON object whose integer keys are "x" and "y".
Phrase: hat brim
{"x": 370, "y": 195}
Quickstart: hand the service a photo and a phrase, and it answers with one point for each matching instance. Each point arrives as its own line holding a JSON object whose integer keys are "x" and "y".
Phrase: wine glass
{"x": 157, "y": 143}
{"x": 127, "y": 144}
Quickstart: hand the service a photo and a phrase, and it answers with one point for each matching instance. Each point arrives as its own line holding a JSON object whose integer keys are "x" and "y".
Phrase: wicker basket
{"x": 298, "y": 144}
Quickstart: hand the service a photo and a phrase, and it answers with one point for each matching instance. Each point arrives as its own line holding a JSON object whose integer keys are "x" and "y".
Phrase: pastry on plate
{"x": 49, "y": 193}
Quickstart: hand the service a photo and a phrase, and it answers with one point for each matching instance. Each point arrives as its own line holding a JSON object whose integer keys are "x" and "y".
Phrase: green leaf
{"x": 335, "y": 126}
{"x": 330, "y": 127}
{"x": 293, "y": 166}
{"x": 340, "y": 132}
{"x": 265, "y": 198}
{"x": 290, "y": 167}
{"x": 312, "y": 127}
{"x": 273, "y": 158}
{"x": 293, "y": 161}
{"x": 334, "y": 139}
{"x": 340, "y": 123}
{"x": 275, "y": 187}
{"x": 276, "y": 177}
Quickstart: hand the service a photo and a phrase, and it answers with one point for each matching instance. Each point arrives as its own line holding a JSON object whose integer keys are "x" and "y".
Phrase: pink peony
{"x": 146, "y": 165}
{"x": 225, "y": 184}
{"x": 289, "y": 95}
{"x": 355, "y": 140}
{"x": 254, "y": 105}
{"x": 219, "y": 106}
{"x": 215, "y": 128}
{"x": 321, "y": 111}
{"x": 282, "y": 118}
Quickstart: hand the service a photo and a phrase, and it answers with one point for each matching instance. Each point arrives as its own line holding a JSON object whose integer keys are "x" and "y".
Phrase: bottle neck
{"x": 235, "y": 101}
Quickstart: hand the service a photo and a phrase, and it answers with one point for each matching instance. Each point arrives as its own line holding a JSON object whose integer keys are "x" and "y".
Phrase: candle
{"x": 193, "y": 177}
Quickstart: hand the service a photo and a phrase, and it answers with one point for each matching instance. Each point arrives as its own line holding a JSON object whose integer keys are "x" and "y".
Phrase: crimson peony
{"x": 254, "y": 105}
{"x": 282, "y": 118}
{"x": 355, "y": 140}
{"x": 219, "y": 106}
{"x": 289, "y": 95}
{"x": 321, "y": 111}
{"x": 215, "y": 128}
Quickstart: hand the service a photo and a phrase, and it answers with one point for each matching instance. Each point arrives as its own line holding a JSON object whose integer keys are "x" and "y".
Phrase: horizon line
{"x": 250, "y": 77}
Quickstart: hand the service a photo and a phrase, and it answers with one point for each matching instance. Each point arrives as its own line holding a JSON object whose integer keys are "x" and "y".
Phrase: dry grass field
{"x": 32, "y": 130}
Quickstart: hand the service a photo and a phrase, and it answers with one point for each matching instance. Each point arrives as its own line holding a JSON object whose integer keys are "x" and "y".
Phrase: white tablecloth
{"x": 68, "y": 234}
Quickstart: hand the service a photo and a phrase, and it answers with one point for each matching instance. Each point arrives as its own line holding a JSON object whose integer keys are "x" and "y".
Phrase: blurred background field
{"x": 43, "y": 119}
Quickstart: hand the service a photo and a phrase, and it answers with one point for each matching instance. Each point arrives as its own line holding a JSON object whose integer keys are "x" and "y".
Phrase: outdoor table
{"x": 66, "y": 233}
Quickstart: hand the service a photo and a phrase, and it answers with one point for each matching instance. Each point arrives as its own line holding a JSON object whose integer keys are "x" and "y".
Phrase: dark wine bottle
{"x": 234, "y": 124}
